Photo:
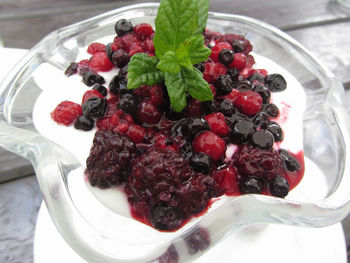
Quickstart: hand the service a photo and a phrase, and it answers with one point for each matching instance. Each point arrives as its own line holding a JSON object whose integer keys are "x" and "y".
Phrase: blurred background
{"x": 322, "y": 26}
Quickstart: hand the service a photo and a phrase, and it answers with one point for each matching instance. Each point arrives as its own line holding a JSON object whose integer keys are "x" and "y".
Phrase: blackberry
{"x": 128, "y": 102}
{"x": 84, "y": 123}
{"x": 226, "y": 56}
{"x": 101, "y": 89}
{"x": 120, "y": 58}
{"x": 279, "y": 187}
{"x": 166, "y": 217}
{"x": 223, "y": 85}
{"x": 123, "y": 26}
{"x": 275, "y": 82}
{"x": 95, "y": 107}
{"x": 201, "y": 163}
{"x": 109, "y": 161}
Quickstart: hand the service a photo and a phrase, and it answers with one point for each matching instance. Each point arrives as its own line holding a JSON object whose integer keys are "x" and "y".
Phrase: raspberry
{"x": 143, "y": 31}
{"x": 148, "y": 45}
{"x": 254, "y": 162}
{"x": 215, "y": 51}
{"x": 209, "y": 143}
{"x": 148, "y": 113}
{"x": 210, "y": 36}
{"x": 66, "y": 112}
{"x": 239, "y": 61}
{"x": 249, "y": 103}
{"x": 226, "y": 182}
{"x": 129, "y": 40}
{"x": 109, "y": 161}
{"x": 117, "y": 44}
{"x": 232, "y": 96}
{"x": 100, "y": 62}
{"x": 95, "y": 47}
{"x": 136, "y": 133}
{"x": 153, "y": 93}
{"x": 169, "y": 191}
{"x": 135, "y": 48}
{"x": 217, "y": 124}
{"x": 91, "y": 94}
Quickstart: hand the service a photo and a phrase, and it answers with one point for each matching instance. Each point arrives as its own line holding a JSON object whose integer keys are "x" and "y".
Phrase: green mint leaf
{"x": 168, "y": 63}
{"x": 203, "y": 8}
{"x": 196, "y": 86}
{"x": 176, "y": 87}
{"x": 197, "y": 51}
{"x": 176, "y": 21}
{"x": 142, "y": 71}
{"x": 183, "y": 56}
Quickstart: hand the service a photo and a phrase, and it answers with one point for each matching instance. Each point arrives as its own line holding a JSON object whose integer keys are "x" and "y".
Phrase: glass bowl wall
{"x": 90, "y": 228}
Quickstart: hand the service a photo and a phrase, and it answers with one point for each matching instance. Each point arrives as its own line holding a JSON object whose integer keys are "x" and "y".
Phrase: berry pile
{"x": 171, "y": 164}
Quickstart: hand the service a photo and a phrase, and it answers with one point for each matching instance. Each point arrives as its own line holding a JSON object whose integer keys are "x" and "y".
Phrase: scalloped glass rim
{"x": 325, "y": 99}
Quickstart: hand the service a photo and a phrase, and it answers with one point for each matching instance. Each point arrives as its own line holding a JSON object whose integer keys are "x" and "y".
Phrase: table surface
{"x": 322, "y": 26}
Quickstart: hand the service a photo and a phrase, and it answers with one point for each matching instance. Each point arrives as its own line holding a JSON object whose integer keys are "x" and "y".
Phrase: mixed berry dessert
{"x": 177, "y": 129}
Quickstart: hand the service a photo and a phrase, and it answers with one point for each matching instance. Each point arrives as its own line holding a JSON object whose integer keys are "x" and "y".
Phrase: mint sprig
{"x": 179, "y": 44}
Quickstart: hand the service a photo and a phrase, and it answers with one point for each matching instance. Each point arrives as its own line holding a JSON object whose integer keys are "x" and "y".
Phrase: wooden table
{"x": 321, "y": 25}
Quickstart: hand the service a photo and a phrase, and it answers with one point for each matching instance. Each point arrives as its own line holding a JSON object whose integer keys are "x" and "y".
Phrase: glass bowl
{"x": 98, "y": 234}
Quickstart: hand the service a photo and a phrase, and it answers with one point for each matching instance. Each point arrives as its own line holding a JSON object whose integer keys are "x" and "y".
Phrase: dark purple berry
{"x": 276, "y": 131}
{"x": 120, "y": 58}
{"x": 272, "y": 110}
{"x": 226, "y": 56}
{"x": 227, "y": 108}
{"x": 262, "y": 139}
{"x": 238, "y": 46}
{"x": 210, "y": 106}
{"x": 123, "y": 75}
{"x": 169, "y": 256}
{"x": 290, "y": 163}
{"x": 117, "y": 87}
{"x": 123, "y": 26}
{"x": 90, "y": 78}
{"x": 95, "y": 107}
{"x": 128, "y": 102}
{"x": 250, "y": 185}
{"x": 233, "y": 73}
{"x": 256, "y": 77}
{"x": 200, "y": 67}
{"x": 223, "y": 85}
{"x": 197, "y": 240}
{"x": 166, "y": 218}
{"x": 241, "y": 131}
{"x": 261, "y": 120}
{"x": 84, "y": 123}
{"x": 201, "y": 163}
{"x": 263, "y": 92}
{"x": 109, "y": 51}
{"x": 193, "y": 126}
{"x": 279, "y": 187}
{"x": 243, "y": 86}
{"x": 186, "y": 151}
{"x": 101, "y": 89}
{"x": 275, "y": 82}
{"x": 71, "y": 69}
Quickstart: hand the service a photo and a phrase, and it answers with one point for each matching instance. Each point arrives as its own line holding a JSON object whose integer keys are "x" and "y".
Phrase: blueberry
{"x": 166, "y": 218}
{"x": 123, "y": 26}
{"x": 120, "y": 58}
{"x": 193, "y": 126}
{"x": 238, "y": 46}
{"x": 90, "y": 78}
{"x": 250, "y": 185}
{"x": 174, "y": 115}
{"x": 201, "y": 163}
{"x": 262, "y": 139}
{"x": 84, "y": 123}
{"x": 261, "y": 120}
{"x": 243, "y": 85}
{"x": 256, "y": 76}
{"x": 226, "y": 56}
{"x": 210, "y": 106}
{"x": 224, "y": 85}
{"x": 128, "y": 103}
{"x": 290, "y": 163}
{"x": 200, "y": 67}
{"x": 233, "y": 73}
{"x": 279, "y": 187}
{"x": 263, "y": 92}
{"x": 95, "y": 107}
{"x": 241, "y": 131}
{"x": 272, "y": 110}
{"x": 71, "y": 69}
{"x": 227, "y": 108}
{"x": 231, "y": 120}
{"x": 109, "y": 51}
{"x": 117, "y": 87}
{"x": 276, "y": 131}
{"x": 101, "y": 89}
{"x": 275, "y": 82}
{"x": 123, "y": 75}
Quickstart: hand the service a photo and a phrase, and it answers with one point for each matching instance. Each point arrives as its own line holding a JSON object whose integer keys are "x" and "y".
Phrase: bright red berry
{"x": 209, "y": 143}
{"x": 100, "y": 62}
{"x": 232, "y": 96}
{"x": 135, "y": 48}
{"x": 136, "y": 133}
{"x": 148, "y": 45}
{"x": 148, "y": 112}
{"x": 217, "y": 124}
{"x": 215, "y": 51}
{"x": 143, "y": 31}
{"x": 66, "y": 112}
{"x": 90, "y": 94}
{"x": 129, "y": 40}
{"x": 95, "y": 47}
{"x": 239, "y": 61}
{"x": 226, "y": 181}
{"x": 249, "y": 103}
{"x": 212, "y": 71}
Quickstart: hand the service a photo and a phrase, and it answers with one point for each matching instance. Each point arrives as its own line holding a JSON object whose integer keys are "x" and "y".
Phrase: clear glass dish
{"x": 90, "y": 228}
